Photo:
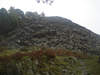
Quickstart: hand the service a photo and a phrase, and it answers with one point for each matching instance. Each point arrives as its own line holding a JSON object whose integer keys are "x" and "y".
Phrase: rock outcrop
{"x": 53, "y": 32}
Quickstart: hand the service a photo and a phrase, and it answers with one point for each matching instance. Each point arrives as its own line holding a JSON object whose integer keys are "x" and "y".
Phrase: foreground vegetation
{"x": 93, "y": 65}
{"x": 47, "y": 62}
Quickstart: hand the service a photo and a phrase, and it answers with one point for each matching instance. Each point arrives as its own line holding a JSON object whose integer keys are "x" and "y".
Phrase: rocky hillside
{"x": 52, "y": 32}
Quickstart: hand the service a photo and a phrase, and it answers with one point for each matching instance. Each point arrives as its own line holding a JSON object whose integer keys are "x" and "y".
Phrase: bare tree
{"x": 45, "y": 1}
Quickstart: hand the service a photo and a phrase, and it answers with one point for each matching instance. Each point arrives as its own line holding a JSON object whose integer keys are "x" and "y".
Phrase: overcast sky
{"x": 83, "y": 12}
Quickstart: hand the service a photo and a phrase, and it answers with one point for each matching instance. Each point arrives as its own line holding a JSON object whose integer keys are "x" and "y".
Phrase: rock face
{"x": 53, "y": 32}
